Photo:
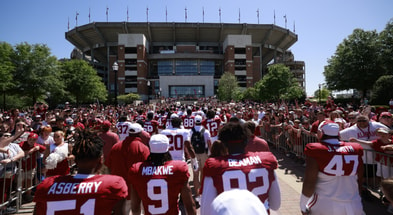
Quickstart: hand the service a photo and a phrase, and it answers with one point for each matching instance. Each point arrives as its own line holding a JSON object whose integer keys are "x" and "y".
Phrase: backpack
{"x": 198, "y": 141}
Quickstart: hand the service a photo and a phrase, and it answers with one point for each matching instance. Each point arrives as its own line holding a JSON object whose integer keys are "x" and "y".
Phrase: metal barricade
{"x": 284, "y": 141}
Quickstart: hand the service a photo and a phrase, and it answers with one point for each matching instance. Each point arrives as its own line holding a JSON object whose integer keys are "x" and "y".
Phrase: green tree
{"x": 6, "y": 69}
{"x": 323, "y": 95}
{"x": 82, "y": 82}
{"x": 386, "y": 37}
{"x": 228, "y": 87}
{"x": 128, "y": 98}
{"x": 382, "y": 90}
{"x": 355, "y": 64}
{"x": 36, "y": 71}
{"x": 279, "y": 83}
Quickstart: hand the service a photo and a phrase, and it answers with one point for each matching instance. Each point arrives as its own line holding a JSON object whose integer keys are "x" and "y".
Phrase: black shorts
{"x": 370, "y": 170}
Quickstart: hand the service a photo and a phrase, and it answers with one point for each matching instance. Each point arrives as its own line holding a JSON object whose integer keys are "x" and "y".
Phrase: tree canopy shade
{"x": 355, "y": 64}
{"x": 382, "y": 90}
{"x": 82, "y": 82}
{"x": 279, "y": 83}
{"x": 6, "y": 66}
{"x": 36, "y": 71}
{"x": 128, "y": 98}
{"x": 386, "y": 37}
{"x": 228, "y": 87}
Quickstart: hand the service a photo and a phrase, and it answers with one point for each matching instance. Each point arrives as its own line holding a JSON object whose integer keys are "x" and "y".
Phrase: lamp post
{"x": 115, "y": 68}
{"x": 148, "y": 89}
{"x": 319, "y": 85}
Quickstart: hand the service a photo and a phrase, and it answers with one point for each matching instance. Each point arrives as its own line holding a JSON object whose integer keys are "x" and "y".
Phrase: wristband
{"x": 303, "y": 203}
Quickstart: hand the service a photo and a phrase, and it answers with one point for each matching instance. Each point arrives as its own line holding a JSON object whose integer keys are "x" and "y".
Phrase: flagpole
{"x": 274, "y": 16}
{"x": 76, "y": 19}
{"x": 219, "y": 13}
{"x": 147, "y": 14}
{"x": 239, "y": 15}
{"x": 68, "y": 26}
{"x": 185, "y": 13}
{"x": 258, "y": 15}
{"x": 89, "y": 15}
{"x": 203, "y": 14}
{"x": 127, "y": 14}
{"x": 166, "y": 14}
{"x": 107, "y": 9}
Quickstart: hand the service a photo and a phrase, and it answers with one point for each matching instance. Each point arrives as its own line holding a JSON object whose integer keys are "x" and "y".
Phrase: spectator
{"x": 331, "y": 186}
{"x": 56, "y": 156}
{"x": 364, "y": 130}
{"x": 254, "y": 144}
{"x": 386, "y": 119}
{"x": 31, "y": 150}
{"x": 109, "y": 139}
{"x": 105, "y": 196}
{"x": 226, "y": 170}
{"x": 11, "y": 153}
{"x": 144, "y": 180}
{"x": 126, "y": 153}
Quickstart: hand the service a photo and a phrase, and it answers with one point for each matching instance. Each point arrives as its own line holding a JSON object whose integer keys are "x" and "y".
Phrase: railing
{"x": 293, "y": 144}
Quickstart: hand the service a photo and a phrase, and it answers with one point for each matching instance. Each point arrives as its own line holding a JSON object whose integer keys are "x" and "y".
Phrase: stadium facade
{"x": 182, "y": 59}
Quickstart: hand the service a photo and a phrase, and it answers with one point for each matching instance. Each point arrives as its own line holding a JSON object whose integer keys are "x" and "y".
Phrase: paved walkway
{"x": 290, "y": 175}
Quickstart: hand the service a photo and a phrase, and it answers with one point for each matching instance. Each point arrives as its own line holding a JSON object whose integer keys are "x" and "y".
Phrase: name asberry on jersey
{"x": 75, "y": 188}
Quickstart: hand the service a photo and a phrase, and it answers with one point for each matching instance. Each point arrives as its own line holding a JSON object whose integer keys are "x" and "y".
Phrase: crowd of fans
{"x": 45, "y": 138}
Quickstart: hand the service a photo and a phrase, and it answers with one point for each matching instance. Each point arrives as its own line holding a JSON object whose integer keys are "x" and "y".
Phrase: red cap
{"x": 386, "y": 114}
{"x": 33, "y": 135}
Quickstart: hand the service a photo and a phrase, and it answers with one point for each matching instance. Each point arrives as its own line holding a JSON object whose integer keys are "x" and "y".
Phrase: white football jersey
{"x": 122, "y": 129}
{"x": 177, "y": 137}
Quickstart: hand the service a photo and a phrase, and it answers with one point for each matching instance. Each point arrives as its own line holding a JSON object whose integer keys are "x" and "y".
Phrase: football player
{"x": 333, "y": 175}
{"x": 159, "y": 180}
{"x": 85, "y": 192}
{"x": 253, "y": 171}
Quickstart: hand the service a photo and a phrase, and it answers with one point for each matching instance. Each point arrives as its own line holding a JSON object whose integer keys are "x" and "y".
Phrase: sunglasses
{"x": 386, "y": 117}
{"x": 362, "y": 120}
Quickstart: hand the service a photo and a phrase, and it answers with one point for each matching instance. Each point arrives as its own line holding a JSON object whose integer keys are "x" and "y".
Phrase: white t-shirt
{"x": 368, "y": 134}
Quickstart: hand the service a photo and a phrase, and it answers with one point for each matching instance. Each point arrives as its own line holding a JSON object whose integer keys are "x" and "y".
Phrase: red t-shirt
{"x": 110, "y": 139}
{"x": 31, "y": 161}
{"x": 159, "y": 186}
{"x": 62, "y": 168}
{"x": 256, "y": 144}
{"x": 253, "y": 171}
{"x": 70, "y": 195}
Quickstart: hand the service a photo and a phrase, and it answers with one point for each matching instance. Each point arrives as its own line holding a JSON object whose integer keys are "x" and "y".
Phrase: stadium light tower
{"x": 115, "y": 68}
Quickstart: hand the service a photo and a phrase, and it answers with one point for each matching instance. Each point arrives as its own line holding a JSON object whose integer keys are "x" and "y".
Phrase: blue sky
{"x": 320, "y": 25}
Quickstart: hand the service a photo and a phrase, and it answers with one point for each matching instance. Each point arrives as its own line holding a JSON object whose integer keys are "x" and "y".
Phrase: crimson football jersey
{"x": 212, "y": 125}
{"x": 253, "y": 171}
{"x": 341, "y": 159}
{"x": 188, "y": 121}
{"x": 80, "y": 194}
{"x": 151, "y": 126}
{"x": 159, "y": 186}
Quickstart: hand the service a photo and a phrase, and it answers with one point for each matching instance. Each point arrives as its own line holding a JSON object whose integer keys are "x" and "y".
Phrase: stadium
{"x": 183, "y": 60}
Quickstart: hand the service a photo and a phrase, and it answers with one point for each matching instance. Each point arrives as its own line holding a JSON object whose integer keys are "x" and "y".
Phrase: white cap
{"x": 135, "y": 128}
{"x": 198, "y": 119}
{"x": 174, "y": 116}
{"x": 237, "y": 201}
{"x": 329, "y": 128}
{"x": 159, "y": 143}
